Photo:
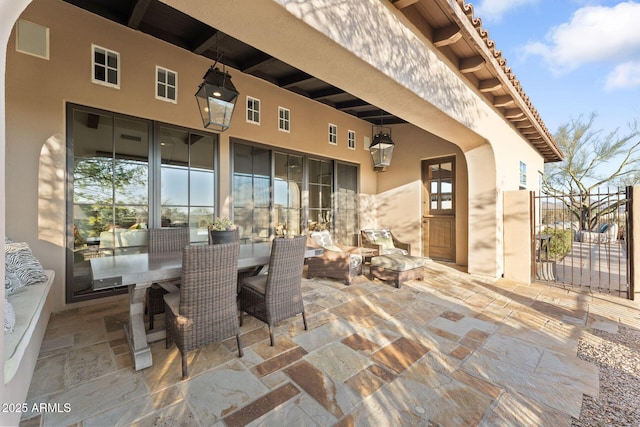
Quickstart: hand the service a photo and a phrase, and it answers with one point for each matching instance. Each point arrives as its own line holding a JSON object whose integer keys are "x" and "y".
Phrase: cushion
{"x": 380, "y": 237}
{"x": 604, "y": 227}
{"x": 257, "y": 283}
{"x": 9, "y": 318}
{"x": 12, "y": 283}
{"x": 20, "y": 260}
{"x": 397, "y": 262}
{"x": 321, "y": 238}
{"x": 333, "y": 248}
{"x": 394, "y": 250}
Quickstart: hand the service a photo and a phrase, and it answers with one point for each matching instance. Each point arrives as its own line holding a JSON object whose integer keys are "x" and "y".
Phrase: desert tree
{"x": 593, "y": 160}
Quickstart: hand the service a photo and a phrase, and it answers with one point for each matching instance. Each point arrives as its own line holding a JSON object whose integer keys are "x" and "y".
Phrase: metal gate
{"x": 584, "y": 241}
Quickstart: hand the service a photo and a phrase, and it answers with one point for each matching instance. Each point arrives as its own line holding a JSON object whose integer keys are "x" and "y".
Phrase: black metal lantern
{"x": 381, "y": 147}
{"x": 216, "y": 98}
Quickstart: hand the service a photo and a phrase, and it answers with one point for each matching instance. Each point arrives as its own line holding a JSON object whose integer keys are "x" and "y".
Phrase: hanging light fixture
{"x": 381, "y": 147}
{"x": 216, "y": 98}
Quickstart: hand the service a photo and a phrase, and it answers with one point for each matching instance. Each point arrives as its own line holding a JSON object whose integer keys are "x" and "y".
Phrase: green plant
{"x": 222, "y": 224}
{"x": 560, "y": 243}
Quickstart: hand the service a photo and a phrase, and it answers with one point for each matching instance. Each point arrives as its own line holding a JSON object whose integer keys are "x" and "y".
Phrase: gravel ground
{"x": 618, "y": 357}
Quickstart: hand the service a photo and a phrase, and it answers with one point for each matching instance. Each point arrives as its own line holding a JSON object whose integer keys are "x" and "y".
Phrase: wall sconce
{"x": 381, "y": 148}
{"x": 216, "y": 98}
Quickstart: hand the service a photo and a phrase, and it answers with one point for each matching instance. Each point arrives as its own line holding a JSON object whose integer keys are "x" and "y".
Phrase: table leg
{"x": 135, "y": 332}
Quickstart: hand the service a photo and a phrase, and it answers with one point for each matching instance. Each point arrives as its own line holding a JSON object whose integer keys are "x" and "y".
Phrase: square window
{"x": 106, "y": 67}
{"x": 351, "y": 140}
{"x": 166, "y": 85}
{"x": 284, "y": 119}
{"x": 253, "y": 110}
{"x": 333, "y": 134}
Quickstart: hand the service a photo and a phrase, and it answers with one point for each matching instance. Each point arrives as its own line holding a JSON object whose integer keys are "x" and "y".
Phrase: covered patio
{"x": 452, "y": 350}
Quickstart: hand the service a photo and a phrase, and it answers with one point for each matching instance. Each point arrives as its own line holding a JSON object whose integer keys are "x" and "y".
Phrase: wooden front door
{"x": 438, "y": 208}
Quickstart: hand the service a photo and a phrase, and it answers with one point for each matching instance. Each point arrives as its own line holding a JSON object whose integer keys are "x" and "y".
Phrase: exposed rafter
{"x": 446, "y": 35}
{"x": 471, "y": 64}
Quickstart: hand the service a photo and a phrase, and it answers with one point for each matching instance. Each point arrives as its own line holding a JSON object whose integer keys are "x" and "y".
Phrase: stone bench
{"x": 397, "y": 267}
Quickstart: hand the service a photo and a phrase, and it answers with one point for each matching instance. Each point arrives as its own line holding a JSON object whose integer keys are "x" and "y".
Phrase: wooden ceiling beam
{"x": 137, "y": 13}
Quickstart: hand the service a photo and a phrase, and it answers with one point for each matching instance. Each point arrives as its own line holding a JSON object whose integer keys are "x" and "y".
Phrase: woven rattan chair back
{"x": 168, "y": 239}
{"x": 163, "y": 240}
{"x": 207, "y": 310}
{"x": 282, "y": 296}
{"x": 209, "y": 282}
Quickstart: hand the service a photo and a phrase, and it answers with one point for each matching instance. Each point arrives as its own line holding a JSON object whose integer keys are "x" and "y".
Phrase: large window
{"x": 251, "y": 192}
{"x": 320, "y": 195}
{"x": 287, "y": 194}
{"x": 127, "y": 175}
{"x": 277, "y": 193}
{"x": 187, "y": 182}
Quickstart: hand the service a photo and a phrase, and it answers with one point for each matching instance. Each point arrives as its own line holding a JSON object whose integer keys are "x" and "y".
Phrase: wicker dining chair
{"x": 277, "y": 295}
{"x": 163, "y": 240}
{"x": 204, "y": 310}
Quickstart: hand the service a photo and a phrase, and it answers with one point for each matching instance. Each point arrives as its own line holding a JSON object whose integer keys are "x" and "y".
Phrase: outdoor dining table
{"x": 139, "y": 271}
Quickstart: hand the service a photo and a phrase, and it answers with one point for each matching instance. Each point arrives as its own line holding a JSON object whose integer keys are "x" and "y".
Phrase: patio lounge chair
{"x": 164, "y": 240}
{"x": 277, "y": 295}
{"x": 205, "y": 310}
{"x": 337, "y": 261}
{"x": 384, "y": 242}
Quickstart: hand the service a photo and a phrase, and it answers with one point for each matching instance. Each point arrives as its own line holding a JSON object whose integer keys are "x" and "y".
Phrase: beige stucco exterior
{"x": 447, "y": 116}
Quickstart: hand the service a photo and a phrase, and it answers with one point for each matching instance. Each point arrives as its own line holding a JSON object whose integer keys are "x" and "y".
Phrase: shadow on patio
{"x": 452, "y": 350}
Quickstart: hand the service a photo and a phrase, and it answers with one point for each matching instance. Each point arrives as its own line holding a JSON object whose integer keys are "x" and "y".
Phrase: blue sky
{"x": 572, "y": 57}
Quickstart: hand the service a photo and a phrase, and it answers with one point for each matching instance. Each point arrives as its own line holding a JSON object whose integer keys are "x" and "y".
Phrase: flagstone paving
{"x": 451, "y": 350}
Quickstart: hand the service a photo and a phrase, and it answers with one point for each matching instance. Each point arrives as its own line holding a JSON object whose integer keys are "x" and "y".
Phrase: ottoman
{"x": 396, "y": 267}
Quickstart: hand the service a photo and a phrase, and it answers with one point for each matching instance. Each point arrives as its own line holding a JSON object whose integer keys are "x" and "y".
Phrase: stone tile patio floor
{"x": 452, "y": 350}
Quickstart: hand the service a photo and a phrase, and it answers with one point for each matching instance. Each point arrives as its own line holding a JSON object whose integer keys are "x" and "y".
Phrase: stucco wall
{"x": 36, "y": 149}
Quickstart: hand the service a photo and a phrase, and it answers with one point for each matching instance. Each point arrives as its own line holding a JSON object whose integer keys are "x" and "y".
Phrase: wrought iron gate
{"x": 584, "y": 241}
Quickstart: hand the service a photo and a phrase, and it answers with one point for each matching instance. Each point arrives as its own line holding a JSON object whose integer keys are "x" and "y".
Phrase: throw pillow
{"x": 12, "y": 283}
{"x": 9, "y": 318}
{"x": 20, "y": 260}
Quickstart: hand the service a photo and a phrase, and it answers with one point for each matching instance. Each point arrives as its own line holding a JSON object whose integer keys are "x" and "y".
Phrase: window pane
{"x": 175, "y": 185}
{"x": 202, "y": 187}
{"x": 174, "y": 216}
{"x": 112, "y": 76}
{"x": 112, "y": 60}
{"x": 161, "y": 76}
{"x": 99, "y": 73}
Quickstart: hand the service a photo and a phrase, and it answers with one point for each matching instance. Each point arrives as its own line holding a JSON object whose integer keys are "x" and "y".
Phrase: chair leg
{"x": 185, "y": 369}
{"x": 150, "y": 319}
{"x": 239, "y": 342}
{"x": 304, "y": 320}
{"x": 271, "y": 335}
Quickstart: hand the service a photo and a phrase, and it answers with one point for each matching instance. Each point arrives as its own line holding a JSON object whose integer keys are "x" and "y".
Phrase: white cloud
{"x": 594, "y": 34}
{"x": 624, "y": 76}
{"x": 494, "y": 10}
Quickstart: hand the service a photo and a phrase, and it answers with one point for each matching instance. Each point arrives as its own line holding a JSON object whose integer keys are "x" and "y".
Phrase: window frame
{"x": 116, "y": 85}
{"x": 284, "y": 123}
{"x": 166, "y": 85}
{"x": 351, "y": 139}
{"x": 251, "y": 111}
{"x": 333, "y": 134}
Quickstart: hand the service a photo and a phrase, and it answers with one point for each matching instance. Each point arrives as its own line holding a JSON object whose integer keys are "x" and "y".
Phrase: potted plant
{"x": 222, "y": 230}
